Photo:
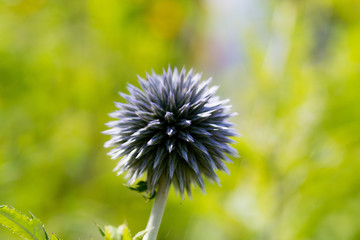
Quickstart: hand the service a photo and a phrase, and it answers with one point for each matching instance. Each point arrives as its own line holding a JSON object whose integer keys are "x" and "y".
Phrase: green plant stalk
{"x": 157, "y": 210}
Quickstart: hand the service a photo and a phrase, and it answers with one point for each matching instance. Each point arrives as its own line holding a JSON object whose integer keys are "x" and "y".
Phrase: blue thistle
{"x": 175, "y": 128}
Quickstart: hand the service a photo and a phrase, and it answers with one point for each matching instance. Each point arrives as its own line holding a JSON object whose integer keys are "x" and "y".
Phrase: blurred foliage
{"x": 120, "y": 233}
{"x": 290, "y": 68}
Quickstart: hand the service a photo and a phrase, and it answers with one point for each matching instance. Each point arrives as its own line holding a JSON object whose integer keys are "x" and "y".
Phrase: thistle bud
{"x": 174, "y": 127}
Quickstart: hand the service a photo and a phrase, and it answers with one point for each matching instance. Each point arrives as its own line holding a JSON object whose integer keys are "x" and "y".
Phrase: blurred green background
{"x": 290, "y": 68}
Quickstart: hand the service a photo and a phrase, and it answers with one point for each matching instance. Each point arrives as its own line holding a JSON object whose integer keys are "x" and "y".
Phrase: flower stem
{"x": 157, "y": 210}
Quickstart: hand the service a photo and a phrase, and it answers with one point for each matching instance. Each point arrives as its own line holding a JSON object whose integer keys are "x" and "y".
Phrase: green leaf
{"x": 140, "y": 235}
{"x": 102, "y": 232}
{"x": 53, "y": 237}
{"x": 117, "y": 233}
{"x": 25, "y": 227}
{"x": 141, "y": 186}
{"x": 152, "y": 196}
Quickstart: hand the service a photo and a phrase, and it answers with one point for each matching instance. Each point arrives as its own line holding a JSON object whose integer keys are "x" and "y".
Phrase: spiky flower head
{"x": 173, "y": 127}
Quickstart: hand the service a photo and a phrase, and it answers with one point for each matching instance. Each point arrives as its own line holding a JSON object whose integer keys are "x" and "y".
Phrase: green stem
{"x": 158, "y": 208}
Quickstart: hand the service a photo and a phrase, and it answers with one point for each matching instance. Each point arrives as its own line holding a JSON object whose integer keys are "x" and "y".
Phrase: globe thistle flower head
{"x": 174, "y": 127}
